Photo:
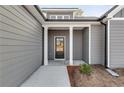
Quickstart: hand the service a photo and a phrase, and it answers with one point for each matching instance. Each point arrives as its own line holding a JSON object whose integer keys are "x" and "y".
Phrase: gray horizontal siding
{"x": 97, "y": 44}
{"x": 116, "y": 43}
{"x": 20, "y": 45}
{"x": 120, "y": 13}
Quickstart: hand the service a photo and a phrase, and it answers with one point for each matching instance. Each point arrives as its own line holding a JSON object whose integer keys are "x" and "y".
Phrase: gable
{"x": 115, "y": 11}
{"x": 120, "y": 13}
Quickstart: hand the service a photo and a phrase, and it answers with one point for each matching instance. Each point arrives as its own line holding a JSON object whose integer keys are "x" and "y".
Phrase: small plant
{"x": 86, "y": 69}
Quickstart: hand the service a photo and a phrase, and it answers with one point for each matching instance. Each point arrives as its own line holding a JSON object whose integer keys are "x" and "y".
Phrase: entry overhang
{"x": 68, "y": 24}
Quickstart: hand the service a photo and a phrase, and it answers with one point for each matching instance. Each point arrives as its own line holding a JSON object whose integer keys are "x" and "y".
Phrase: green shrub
{"x": 85, "y": 69}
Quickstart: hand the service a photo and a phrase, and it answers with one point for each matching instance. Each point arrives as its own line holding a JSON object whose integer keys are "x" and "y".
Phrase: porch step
{"x": 112, "y": 73}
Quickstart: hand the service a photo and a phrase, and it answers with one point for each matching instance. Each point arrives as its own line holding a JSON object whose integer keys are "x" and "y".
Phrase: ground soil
{"x": 98, "y": 78}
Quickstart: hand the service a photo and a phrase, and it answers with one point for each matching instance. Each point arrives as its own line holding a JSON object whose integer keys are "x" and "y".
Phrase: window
{"x": 66, "y": 17}
{"x": 59, "y": 16}
{"x": 52, "y": 17}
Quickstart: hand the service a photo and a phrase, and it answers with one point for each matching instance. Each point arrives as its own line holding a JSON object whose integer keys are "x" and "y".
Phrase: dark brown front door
{"x": 59, "y": 47}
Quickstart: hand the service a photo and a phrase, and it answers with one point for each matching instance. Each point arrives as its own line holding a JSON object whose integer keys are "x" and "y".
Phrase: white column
{"x": 45, "y": 45}
{"x": 89, "y": 44}
{"x": 71, "y": 45}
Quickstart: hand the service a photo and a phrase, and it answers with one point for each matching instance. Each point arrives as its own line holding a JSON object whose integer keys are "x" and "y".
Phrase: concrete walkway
{"x": 49, "y": 76}
{"x": 64, "y": 63}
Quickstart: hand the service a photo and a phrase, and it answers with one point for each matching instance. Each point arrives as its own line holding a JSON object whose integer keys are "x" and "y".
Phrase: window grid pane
{"x": 59, "y": 17}
{"x": 66, "y": 17}
{"x": 53, "y": 17}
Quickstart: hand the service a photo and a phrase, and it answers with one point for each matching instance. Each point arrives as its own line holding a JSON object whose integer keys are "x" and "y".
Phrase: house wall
{"x": 97, "y": 44}
{"x": 85, "y": 45}
{"x": 116, "y": 49}
{"x": 51, "y": 34}
{"x": 120, "y": 13}
{"x": 77, "y": 45}
{"x": 20, "y": 45}
{"x": 77, "y": 42}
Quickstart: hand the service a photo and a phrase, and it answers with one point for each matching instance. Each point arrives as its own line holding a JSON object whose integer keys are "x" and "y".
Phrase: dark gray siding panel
{"x": 117, "y": 43}
{"x": 51, "y": 35}
{"x": 20, "y": 45}
{"x": 85, "y": 45}
{"x": 97, "y": 44}
{"x": 78, "y": 45}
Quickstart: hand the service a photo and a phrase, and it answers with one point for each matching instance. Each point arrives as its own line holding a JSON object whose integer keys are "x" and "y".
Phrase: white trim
{"x": 55, "y": 10}
{"x": 108, "y": 44}
{"x": 113, "y": 73}
{"x": 68, "y": 24}
{"x": 73, "y": 15}
{"x": 45, "y": 45}
{"x": 117, "y": 18}
{"x": 33, "y": 10}
{"x": 115, "y": 11}
{"x": 71, "y": 45}
{"x": 90, "y": 44}
{"x": 64, "y": 47}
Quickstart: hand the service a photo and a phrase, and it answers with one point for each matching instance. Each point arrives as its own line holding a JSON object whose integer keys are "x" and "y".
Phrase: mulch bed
{"x": 98, "y": 78}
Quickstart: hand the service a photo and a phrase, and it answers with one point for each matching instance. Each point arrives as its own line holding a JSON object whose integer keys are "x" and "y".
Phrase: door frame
{"x": 64, "y": 48}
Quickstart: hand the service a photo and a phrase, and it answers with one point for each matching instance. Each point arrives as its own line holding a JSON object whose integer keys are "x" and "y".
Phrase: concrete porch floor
{"x": 48, "y": 76}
